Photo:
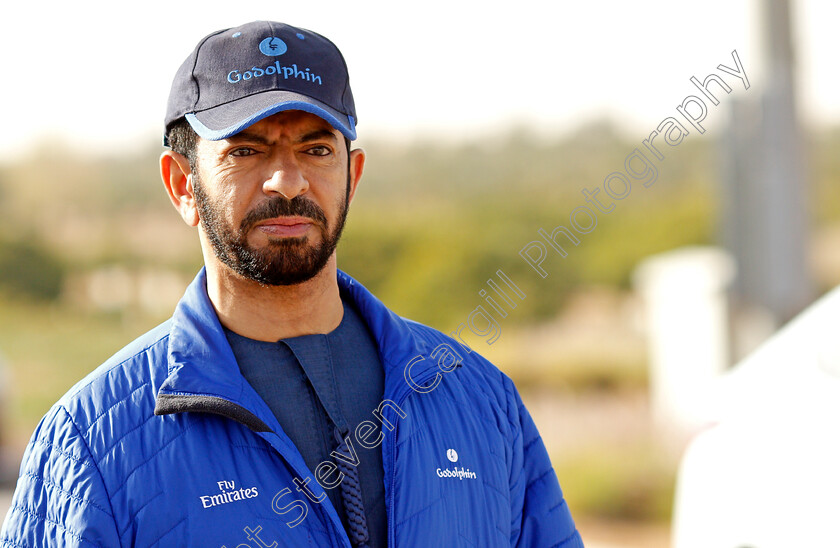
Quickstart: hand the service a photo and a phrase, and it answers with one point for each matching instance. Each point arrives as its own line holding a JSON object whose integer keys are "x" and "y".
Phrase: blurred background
{"x": 483, "y": 122}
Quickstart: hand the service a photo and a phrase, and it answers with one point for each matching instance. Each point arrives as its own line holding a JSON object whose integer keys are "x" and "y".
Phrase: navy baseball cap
{"x": 236, "y": 77}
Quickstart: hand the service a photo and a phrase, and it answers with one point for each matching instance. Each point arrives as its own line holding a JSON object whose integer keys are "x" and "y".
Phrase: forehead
{"x": 290, "y": 123}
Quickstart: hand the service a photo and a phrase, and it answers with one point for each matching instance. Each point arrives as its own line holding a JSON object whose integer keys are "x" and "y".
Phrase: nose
{"x": 286, "y": 179}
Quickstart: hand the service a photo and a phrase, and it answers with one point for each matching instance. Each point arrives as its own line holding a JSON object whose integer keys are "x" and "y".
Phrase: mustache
{"x": 279, "y": 206}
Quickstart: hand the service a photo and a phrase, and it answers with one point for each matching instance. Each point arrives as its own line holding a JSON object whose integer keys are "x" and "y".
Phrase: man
{"x": 282, "y": 404}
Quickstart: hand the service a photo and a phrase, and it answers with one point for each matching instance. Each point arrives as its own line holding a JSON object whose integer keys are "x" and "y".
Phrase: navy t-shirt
{"x": 314, "y": 382}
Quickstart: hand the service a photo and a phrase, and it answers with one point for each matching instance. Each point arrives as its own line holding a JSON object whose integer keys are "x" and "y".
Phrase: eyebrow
{"x": 248, "y": 136}
{"x": 316, "y": 135}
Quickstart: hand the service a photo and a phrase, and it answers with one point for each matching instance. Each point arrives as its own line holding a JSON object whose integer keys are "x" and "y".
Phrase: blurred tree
{"x": 27, "y": 269}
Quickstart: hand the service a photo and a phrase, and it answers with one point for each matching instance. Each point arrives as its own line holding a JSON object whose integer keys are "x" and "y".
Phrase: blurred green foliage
{"x": 29, "y": 270}
{"x": 628, "y": 483}
{"x": 431, "y": 223}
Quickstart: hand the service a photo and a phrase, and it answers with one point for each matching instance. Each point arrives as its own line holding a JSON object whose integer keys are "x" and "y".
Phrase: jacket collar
{"x": 397, "y": 341}
{"x": 203, "y": 374}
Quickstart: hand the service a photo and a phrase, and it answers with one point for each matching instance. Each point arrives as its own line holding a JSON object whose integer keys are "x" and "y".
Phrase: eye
{"x": 242, "y": 151}
{"x": 319, "y": 150}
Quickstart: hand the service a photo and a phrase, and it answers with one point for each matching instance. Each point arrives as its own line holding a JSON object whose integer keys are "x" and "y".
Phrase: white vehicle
{"x": 767, "y": 473}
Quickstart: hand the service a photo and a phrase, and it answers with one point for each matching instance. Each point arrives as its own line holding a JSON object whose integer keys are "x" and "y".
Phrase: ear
{"x": 178, "y": 181}
{"x": 357, "y": 166}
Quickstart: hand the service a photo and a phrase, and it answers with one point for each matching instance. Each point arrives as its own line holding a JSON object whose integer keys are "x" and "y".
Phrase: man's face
{"x": 273, "y": 199}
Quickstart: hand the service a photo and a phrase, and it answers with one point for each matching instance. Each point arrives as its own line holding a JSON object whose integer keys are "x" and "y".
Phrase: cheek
{"x": 229, "y": 200}
{"x": 333, "y": 194}
{"x": 332, "y": 206}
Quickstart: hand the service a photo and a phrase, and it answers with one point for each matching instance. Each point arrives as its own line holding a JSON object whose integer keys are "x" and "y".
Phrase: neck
{"x": 271, "y": 313}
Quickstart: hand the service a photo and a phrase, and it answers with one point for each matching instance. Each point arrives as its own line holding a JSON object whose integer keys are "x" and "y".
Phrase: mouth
{"x": 285, "y": 227}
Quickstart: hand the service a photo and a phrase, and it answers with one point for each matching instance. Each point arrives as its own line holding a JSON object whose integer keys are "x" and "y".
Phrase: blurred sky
{"x": 97, "y": 74}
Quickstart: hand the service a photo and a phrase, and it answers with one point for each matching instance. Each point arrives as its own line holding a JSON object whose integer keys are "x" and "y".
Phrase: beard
{"x": 285, "y": 261}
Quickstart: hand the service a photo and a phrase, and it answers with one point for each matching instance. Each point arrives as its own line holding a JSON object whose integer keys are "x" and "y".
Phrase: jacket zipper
{"x": 343, "y": 538}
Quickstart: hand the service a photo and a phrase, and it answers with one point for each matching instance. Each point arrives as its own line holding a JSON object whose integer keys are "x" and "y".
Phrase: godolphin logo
{"x": 273, "y": 46}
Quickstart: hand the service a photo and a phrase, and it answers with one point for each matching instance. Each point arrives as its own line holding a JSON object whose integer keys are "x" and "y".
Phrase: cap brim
{"x": 229, "y": 119}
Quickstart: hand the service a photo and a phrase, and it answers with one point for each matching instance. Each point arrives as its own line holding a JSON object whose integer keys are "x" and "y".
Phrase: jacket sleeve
{"x": 60, "y": 498}
{"x": 540, "y": 516}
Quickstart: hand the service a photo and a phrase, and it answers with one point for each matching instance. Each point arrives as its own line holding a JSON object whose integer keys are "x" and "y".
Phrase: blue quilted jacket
{"x": 166, "y": 444}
